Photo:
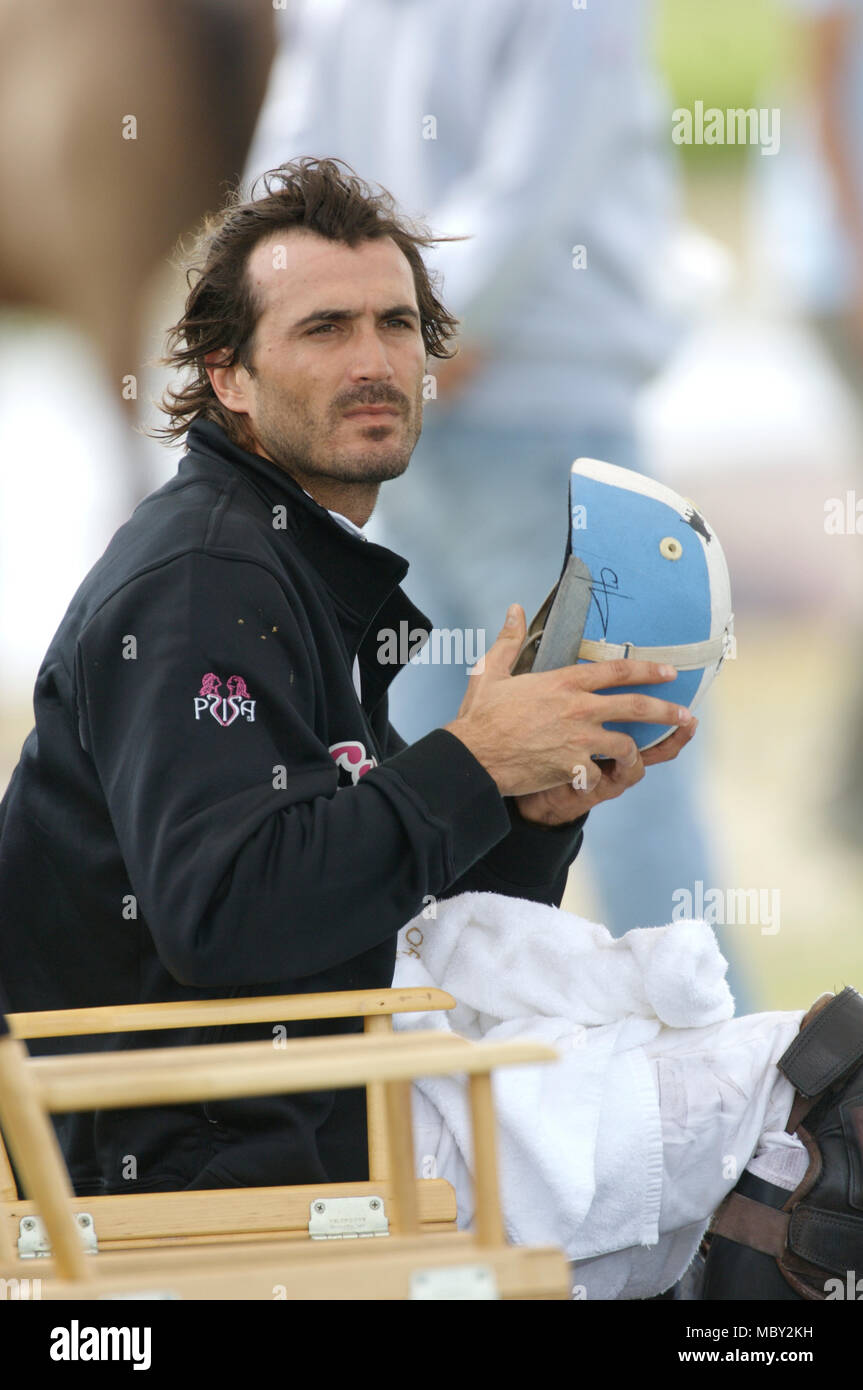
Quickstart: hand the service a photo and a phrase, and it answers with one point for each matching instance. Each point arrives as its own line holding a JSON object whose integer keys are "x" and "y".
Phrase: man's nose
{"x": 369, "y": 360}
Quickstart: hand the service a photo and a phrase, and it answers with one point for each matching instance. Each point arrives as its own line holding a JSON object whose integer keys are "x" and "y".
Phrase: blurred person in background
{"x": 536, "y": 129}
{"x": 809, "y": 212}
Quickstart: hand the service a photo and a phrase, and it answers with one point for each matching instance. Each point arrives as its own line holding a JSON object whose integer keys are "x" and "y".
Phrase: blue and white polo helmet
{"x": 644, "y": 578}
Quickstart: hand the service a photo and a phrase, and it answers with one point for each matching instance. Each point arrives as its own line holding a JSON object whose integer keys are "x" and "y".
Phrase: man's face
{"x": 338, "y": 358}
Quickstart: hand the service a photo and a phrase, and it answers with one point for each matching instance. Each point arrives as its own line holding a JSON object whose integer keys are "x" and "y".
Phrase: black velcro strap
{"x": 828, "y": 1047}
{"x": 828, "y": 1239}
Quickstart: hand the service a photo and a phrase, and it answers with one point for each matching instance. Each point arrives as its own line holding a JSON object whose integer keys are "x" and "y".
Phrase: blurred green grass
{"x": 725, "y": 53}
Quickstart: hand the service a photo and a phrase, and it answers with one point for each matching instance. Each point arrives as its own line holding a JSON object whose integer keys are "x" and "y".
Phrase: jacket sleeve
{"x": 531, "y": 861}
{"x": 247, "y": 862}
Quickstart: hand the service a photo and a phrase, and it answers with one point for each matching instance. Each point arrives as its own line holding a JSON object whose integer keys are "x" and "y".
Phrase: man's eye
{"x": 324, "y": 328}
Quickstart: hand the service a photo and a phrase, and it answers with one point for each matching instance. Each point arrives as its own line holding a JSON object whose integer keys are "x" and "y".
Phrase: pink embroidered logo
{"x": 353, "y": 758}
{"x": 224, "y": 709}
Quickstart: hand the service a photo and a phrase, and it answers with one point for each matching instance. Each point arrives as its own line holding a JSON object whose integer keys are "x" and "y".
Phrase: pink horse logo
{"x": 224, "y": 709}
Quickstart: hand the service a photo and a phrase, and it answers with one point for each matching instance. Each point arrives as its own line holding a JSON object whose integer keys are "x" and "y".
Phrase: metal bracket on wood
{"x": 347, "y": 1218}
{"x": 33, "y": 1242}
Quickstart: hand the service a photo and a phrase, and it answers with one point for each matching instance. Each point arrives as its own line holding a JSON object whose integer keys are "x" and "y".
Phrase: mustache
{"x": 380, "y": 395}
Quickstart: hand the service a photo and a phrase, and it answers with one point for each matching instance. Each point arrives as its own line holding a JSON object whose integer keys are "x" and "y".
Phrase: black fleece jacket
{"x": 206, "y": 808}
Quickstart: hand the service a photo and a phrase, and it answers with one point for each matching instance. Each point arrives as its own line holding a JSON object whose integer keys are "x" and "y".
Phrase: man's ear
{"x": 230, "y": 382}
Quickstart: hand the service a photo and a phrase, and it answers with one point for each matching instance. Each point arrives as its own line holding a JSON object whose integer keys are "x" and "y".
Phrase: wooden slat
{"x": 8, "y": 1186}
{"x": 262, "y": 1240}
{"x": 209, "y": 1013}
{"x": 7, "y": 1243}
{"x": 37, "y": 1156}
{"x": 226, "y": 1054}
{"x": 397, "y": 1097}
{"x": 99, "y": 1082}
{"x": 379, "y": 1159}
{"x": 324, "y": 1271}
{"x": 219, "y": 1213}
{"x": 488, "y": 1221}
{"x": 117, "y": 1264}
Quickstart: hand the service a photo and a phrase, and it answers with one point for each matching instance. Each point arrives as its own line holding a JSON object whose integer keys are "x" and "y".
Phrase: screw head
{"x": 83, "y": 1219}
{"x": 320, "y": 1207}
{"x": 28, "y": 1224}
{"x": 374, "y": 1204}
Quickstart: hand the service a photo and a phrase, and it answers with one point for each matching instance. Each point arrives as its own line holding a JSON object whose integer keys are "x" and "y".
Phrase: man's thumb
{"x": 511, "y": 636}
{"x": 515, "y": 625}
{"x": 500, "y": 657}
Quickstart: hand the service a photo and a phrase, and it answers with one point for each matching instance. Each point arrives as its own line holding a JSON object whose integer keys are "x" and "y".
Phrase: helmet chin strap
{"x": 690, "y": 656}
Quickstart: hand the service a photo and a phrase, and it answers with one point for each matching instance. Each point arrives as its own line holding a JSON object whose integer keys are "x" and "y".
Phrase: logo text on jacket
{"x": 224, "y": 708}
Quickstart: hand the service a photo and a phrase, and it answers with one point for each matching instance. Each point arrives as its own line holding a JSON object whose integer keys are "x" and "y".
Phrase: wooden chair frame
{"x": 32, "y": 1089}
{"x": 146, "y": 1219}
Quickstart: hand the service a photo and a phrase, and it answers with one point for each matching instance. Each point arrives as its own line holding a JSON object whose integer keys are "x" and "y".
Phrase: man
{"x": 540, "y": 128}
{"x": 213, "y": 800}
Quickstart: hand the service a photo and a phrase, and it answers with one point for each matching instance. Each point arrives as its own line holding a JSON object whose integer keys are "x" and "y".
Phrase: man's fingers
{"x": 614, "y": 746}
{"x": 586, "y": 776}
{"x": 669, "y": 747}
{"x": 626, "y": 774}
{"x": 598, "y": 676}
{"x": 500, "y": 657}
{"x": 603, "y": 675}
{"x": 641, "y": 709}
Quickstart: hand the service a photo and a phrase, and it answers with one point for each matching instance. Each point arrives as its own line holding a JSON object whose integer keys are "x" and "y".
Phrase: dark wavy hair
{"x": 221, "y": 311}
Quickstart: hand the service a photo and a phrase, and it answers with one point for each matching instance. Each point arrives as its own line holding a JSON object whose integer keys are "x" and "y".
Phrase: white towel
{"x": 522, "y": 969}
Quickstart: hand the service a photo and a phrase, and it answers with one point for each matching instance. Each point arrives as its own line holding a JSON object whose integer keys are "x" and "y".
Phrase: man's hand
{"x": 608, "y": 779}
{"x": 536, "y": 734}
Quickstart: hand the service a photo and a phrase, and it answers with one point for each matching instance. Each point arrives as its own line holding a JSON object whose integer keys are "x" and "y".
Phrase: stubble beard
{"x": 299, "y": 442}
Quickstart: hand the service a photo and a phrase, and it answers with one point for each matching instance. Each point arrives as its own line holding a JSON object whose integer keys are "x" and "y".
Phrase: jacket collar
{"x": 362, "y": 578}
